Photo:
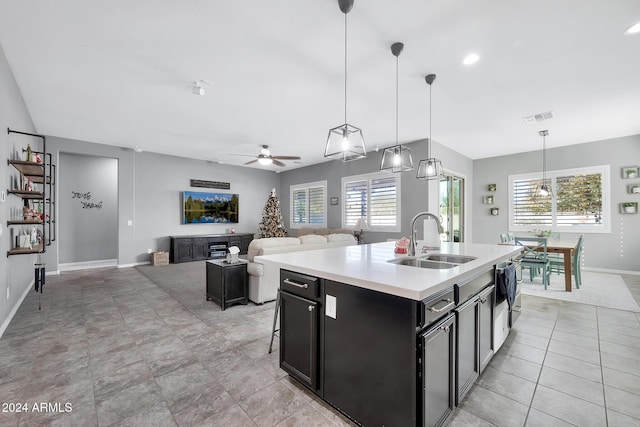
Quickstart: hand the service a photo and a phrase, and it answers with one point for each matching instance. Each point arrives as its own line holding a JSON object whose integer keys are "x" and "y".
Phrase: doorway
{"x": 451, "y": 207}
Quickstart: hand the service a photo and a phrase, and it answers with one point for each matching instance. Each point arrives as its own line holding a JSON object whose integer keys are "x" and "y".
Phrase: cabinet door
{"x": 299, "y": 338}
{"x": 467, "y": 367}
{"x": 438, "y": 372}
{"x": 235, "y": 283}
{"x": 199, "y": 249}
{"x": 183, "y": 250}
{"x": 485, "y": 325}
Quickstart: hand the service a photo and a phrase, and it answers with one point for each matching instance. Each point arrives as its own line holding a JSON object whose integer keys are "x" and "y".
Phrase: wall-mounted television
{"x": 209, "y": 208}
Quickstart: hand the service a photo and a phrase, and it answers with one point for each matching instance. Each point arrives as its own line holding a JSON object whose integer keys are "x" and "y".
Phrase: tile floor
{"x": 124, "y": 351}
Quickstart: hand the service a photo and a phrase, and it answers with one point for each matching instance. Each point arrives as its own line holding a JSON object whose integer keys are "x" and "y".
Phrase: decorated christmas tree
{"x": 272, "y": 224}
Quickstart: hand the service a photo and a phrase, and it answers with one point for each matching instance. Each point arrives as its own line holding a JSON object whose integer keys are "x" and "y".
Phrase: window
{"x": 375, "y": 197}
{"x": 580, "y": 203}
{"x": 308, "y": 205}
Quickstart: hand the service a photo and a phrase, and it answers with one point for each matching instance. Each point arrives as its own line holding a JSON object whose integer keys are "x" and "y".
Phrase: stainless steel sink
{"x": 453, "y": 258}
{"x": 436, "y": 261}
{"x": 422, "y": 263}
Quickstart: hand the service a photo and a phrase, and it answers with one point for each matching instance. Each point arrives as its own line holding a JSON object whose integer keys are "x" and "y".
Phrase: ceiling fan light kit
{"x": 345, "y": 142}
{"x": 430, "y": 168}
{"x": 397, "y": 158}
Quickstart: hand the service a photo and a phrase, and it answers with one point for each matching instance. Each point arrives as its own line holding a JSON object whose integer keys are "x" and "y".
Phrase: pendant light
{"x": 430, "y": 168}
{"x": 345, "y": 142}
{"x": 544, "y": 189}
{"x": 397, "y": 158}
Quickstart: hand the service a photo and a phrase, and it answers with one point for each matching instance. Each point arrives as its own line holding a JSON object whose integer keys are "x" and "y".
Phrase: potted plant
{"x": 629, "y": 207}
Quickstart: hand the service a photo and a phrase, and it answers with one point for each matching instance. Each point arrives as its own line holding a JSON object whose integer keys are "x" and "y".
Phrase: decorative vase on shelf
{"x": 29, "y": 159}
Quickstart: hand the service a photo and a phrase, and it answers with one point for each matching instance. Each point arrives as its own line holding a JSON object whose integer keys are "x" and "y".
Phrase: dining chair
{"x": 535, "y": 257}
{"x": 511, "y": 236}
{"x": 557, "y": 264}
{"x": 504, "y": 238}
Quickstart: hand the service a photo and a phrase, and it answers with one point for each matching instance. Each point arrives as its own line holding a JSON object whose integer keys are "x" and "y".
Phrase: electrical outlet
{"x": 149, "y": 250}
{"x": 8, "y": 292}
{"x": 129, "y": 223}
{"x": 0, "y": 229}
{"x": 3, "y": 196}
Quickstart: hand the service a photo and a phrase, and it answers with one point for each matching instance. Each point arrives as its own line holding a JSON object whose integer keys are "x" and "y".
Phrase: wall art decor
{"x": 209, "y": 208}
{"x": 488, "y": 200}
{"x": 629, "y": 207}
{"x": 495, "y": 211}
{"x": 334, "y": 201}
{"x": 630, "y": 172}
{"x": 491, "y": 187}
{"x": 633, "y": 189}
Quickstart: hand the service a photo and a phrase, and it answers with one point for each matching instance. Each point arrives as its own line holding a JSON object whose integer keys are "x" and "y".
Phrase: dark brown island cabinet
{"x": 209, "y": 246}
{"x": 386, "y": 360}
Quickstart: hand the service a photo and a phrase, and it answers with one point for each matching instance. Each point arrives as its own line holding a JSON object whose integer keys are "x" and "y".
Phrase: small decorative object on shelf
{"x": 495, "y": 211}
{"x": 633, "y": 189}
{"x": 491, "y": 187}
{"x": 29, "y": 159}
{"x": 630, "y": 172}
{"x": 629, "y": 207}
{"x": 488, "y": 200}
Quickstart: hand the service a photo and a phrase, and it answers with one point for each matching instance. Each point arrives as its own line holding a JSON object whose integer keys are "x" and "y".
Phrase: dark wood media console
{"x": 206, "y": 246}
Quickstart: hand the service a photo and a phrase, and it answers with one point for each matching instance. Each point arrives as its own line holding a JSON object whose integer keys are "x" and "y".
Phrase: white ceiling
{"x": 120, "y": 72}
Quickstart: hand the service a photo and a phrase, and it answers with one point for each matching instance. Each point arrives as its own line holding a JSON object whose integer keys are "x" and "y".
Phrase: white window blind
{"x": 579, "y": 203}
{"x": 375, "y": 197}
{"x": 308, "y": 205}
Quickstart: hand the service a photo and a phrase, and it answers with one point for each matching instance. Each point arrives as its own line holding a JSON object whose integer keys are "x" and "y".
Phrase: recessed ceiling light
{"x": 470, "y": 59}
{"x": 634, "y": 29}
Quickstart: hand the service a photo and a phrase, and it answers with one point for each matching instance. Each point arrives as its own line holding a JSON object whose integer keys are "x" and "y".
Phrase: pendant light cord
{"x": 429, "y": 145}
{"x": 397, "y": 95}
{"x": 345, "y": 68}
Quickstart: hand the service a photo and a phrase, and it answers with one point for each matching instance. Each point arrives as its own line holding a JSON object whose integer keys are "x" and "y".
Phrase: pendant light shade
{"x": 430, "y": 168}
{"x": 345, "y": 142}
{"x": 544, "y": 188}
{"x": 397, "y": 158}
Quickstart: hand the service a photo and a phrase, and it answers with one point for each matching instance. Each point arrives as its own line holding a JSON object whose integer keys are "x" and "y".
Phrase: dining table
{"x": 566, "y": 247}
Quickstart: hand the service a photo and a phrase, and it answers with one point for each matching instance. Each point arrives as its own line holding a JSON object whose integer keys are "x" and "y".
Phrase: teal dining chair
{"x": 504, "y": 238}
{"x": 535, "y": 257}
{"x": 557, "y": 264}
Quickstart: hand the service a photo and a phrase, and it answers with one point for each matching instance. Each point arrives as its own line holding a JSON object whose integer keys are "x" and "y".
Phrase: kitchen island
{"x": 385, "y": 343}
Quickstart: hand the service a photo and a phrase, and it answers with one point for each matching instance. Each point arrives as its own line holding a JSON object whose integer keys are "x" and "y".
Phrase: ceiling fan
{"x": 265, "y": 157}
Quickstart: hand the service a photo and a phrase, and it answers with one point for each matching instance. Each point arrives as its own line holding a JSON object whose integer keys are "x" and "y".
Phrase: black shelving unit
{"x": 42, "y": 175}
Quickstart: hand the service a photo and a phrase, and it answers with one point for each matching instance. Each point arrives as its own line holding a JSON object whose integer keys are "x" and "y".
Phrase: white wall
{"x": 16, "y": 272}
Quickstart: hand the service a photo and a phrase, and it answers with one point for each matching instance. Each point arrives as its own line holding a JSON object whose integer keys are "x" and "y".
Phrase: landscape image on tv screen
{"x": 209, "y": 208}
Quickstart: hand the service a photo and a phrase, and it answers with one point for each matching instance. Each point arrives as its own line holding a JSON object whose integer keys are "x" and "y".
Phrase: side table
{"x": 227, "y": 283}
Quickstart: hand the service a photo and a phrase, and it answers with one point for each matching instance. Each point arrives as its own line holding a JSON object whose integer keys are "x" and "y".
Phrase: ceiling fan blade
{"x": 244, "y": 155}
{"x": 277, "y": 163}
{"x": 287, "y": 157}
{"x": 252, "y": 161}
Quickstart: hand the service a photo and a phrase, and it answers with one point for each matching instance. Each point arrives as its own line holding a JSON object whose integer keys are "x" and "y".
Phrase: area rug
{"x": 599, "y": 289}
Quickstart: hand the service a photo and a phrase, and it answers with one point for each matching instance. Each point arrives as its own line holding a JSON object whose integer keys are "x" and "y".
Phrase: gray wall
{"x": 415, "y": 193}
{"x": 88, "y": 208}
{"x": 616, "y": 250}
{"x": 16, "y": 272}
{"x": 149, "y": 188}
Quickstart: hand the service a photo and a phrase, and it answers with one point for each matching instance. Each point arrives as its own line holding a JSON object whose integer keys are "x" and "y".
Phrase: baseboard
{"x": 87, "y": 265}
{"x": 134, "y": 264}
{"x": 9, "y": 318}
{"x": 611, "y": 271}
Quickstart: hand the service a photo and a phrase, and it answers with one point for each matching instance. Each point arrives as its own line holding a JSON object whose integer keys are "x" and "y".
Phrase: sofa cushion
{"x": 257, "y": 246}
{"x": 341, "y": 237}
{"x": 312, "y": 238}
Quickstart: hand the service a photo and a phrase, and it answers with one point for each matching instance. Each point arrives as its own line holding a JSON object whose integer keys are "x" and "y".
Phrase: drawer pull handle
{"x": 483, "y": 300}
{"x": 445, "y": 329}
{"x": 450, "y": 304}
{"x": 299, "y": 285}
{"x": 311, "y": 308}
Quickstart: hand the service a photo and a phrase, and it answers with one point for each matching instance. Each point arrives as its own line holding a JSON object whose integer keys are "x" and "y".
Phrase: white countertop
{"x": 366, "y": 266}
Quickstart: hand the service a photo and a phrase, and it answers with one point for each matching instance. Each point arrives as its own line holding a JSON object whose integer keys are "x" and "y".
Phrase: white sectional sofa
{"x": 263, "y": 282}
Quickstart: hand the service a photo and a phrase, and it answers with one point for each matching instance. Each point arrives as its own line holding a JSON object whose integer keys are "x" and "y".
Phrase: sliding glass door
{"x": 452, "y": 207}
